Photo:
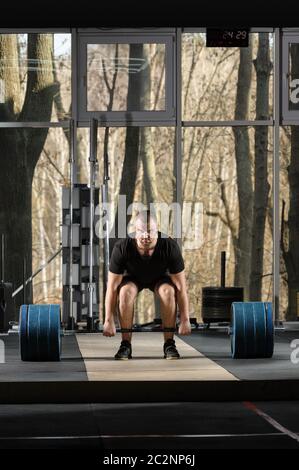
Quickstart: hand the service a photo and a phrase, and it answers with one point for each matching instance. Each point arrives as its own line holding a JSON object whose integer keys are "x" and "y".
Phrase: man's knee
{"x": 166, "y": 292}
{"x": 127, "y": 294}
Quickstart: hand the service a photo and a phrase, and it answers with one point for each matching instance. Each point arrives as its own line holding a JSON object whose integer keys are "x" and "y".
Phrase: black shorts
{"x": 152, "y": 286}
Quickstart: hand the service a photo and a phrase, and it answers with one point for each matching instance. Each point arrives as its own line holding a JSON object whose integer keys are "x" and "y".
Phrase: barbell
{"x": 251, "y": 331}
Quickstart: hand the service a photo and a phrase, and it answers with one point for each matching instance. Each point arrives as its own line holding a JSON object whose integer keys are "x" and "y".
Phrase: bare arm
{"x": 179, "y": 280}
{"x": 111, "y": 294}
{"x": 110, "y": 302}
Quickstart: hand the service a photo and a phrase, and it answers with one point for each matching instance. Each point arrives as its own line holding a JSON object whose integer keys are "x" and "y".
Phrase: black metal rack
{"x": 80, "y": 254}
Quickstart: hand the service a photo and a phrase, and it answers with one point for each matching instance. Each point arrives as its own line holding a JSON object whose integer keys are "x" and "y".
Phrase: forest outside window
{"x": 227, "y": 83}
{"x": 229, "y": 170}
{"x": 35, "y": 77}
{"x": 141, "y": 168}
{"x": 125, "y": 78}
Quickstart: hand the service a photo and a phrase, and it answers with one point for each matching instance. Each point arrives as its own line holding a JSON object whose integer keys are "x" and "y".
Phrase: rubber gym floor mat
{"x": 148, "y": 362}
{"x": 71, "y": 366}
{"x": 215, "y": 345}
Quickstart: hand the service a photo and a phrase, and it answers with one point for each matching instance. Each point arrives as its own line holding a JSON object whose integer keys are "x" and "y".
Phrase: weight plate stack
{"x": 217, "y": 301}
{"x": 252, "y": 331}
{"x": 40, "y": 338}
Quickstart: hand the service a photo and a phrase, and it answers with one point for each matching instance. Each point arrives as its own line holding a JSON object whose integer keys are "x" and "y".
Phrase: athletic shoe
{"x": 125, "y": 351}
{"x": 170, "y": 350}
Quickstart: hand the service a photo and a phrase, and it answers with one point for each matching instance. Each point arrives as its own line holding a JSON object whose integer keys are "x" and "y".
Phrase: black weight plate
{"x": 216, "y": 302}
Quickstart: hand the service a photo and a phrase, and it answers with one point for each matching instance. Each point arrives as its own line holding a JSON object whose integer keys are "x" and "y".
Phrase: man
{"x": 145, "y": 259}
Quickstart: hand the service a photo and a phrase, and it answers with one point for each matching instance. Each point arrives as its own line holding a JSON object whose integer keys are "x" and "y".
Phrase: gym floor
{"x": 177, "y": 425}
{"x": 206, "y": 400}
{"x": 205, "y": 355}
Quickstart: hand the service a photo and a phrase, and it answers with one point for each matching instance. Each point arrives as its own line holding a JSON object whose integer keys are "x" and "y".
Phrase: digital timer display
{"x": 227, "y": 37}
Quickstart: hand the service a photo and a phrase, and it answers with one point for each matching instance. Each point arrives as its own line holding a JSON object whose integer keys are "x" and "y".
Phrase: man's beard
{"x": 146, "y": 246}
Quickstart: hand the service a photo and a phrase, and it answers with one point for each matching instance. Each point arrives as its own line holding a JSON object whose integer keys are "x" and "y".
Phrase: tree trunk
{"x": 291, "y": 256}
{"x": 243, "y": 165}
{"x": 130, "y": 165}
{"x": 146, "y": 148}
{"x": 10, "y": 103}
{"x": 261, "y": 185}
{"x": 20, "y": 151}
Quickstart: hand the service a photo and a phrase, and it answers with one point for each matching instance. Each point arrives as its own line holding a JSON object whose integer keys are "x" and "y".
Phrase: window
{"x": 126, "y": 78}
{"x": 233, "y": 182}
{"x": 220, "y": 83}
{"x": 141, "y": 168}
{"x": 35, "y": 77}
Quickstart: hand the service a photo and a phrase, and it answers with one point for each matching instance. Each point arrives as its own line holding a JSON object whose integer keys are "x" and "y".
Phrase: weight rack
{"x": 81, "y": 255}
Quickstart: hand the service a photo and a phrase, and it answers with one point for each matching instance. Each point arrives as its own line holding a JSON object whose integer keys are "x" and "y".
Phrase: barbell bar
{"x": 251, "y": 331}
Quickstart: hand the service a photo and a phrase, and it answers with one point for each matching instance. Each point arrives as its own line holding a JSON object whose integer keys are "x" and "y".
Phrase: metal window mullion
{"x": 107, "y": 121}
{"x": 74, "y": 95}
{"x": 195, "y": 30}
{"x": 276, "y": 168}
{"x": 74, "y": 75}
{"x": 290, "y": 31}
{"x": 92, "y": 163}
{"x": 290, "y": 122}
{"x": 98, "y": 32}
{"x": 71, "y": 205}
{"x": 177, "y": 82}
{"x": 284, "y": 71}
{"x": 232, "y": 123}
{"x": 34, "y": 125}
{"x": 178, "y": 129}
{"x": 35, "y": 30}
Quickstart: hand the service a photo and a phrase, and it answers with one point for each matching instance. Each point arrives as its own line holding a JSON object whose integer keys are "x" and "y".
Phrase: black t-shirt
{"x": 166, "y": 259}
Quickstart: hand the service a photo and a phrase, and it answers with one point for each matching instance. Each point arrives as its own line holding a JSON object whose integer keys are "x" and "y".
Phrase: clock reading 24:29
{"x": 227, "y": 37}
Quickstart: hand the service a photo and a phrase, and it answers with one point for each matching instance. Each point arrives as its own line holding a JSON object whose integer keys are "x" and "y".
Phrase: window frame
{"x": 120, "y": 118}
